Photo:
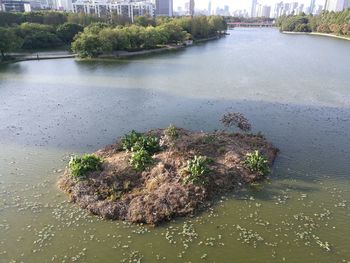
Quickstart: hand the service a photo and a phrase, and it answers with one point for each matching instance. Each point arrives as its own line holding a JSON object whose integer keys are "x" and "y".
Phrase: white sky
{"x": 238, "y": 4}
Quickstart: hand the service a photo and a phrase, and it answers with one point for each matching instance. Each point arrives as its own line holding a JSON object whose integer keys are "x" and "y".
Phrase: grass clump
{"x": 256, "y": 163}
{"x": 197, "y": 170}
{"x": 80, "y": 166}
{"x": 140, "y": 159}
{"x": 171, "y": 132}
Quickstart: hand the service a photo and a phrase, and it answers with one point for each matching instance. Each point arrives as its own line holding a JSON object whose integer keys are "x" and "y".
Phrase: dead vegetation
{"x": 161, "y": 191}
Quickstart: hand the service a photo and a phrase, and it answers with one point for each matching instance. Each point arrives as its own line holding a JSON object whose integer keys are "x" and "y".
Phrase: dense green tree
{"x": 87, "y": 45}
{"x": 67, "y": 31}
{"x": 8, "y": 19}
{"x": 144, "y": 21}
{"x": 84, "y": 19}
{"x": 9, "y": 41}
{"x": 37, "y": 36}
{"x": 117, "y": 19}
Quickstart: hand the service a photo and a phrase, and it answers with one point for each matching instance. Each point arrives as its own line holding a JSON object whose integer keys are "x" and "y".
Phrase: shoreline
{"x": 18, "y": 57}
{"x": 316, "y": 34}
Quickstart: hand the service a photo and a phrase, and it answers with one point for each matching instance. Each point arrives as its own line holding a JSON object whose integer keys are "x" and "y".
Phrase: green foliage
{"x": 145, "y": 34}
{"x": 8, "y": 41}
{"x": 295, "y": 23}
{"x": 36, "y": 36}
{"x": 41, "y": 17}
{"x": 80, "y": 166}
{"x": 256, "y": 163}
{"x": 140, "y": 159}
{"x": 67, "y": 31}
{"x": 87, "y": 45}
{"x": 327, "y": 22}
{"x": 136, "y": 141}
{"x": 130, "y": 140}
{"x": 144, "y": 21}
{"x": 197, "y": 169}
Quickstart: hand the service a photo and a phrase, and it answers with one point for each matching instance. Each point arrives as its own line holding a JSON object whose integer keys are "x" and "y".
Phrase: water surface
{"x": 294, "y": 89}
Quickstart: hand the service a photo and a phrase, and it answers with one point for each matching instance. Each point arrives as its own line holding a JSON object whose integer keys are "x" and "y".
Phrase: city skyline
{"x": 240, "y": 4}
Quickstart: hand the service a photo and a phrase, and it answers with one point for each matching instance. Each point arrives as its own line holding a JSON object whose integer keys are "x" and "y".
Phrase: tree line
{"x": 327, "y": 22}
{"x": 146, "y": 33}
{"x": 89, "y": 35}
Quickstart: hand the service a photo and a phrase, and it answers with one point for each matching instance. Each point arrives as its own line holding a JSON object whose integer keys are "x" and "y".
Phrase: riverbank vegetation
{"x": 101, "y": 38}
{"x": 337, "y": 23}
{"x": 164, "y": 173}
{"x": 52, "y": 30}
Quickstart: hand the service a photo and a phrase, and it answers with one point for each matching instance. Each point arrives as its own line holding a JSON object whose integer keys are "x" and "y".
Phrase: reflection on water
{"x": 293, "y": 88}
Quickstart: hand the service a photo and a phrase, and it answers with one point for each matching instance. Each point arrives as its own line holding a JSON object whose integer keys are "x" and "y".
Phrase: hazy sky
{"x": 238, "y": 4}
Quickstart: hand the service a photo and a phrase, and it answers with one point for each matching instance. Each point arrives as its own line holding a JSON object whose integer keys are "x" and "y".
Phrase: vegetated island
{"x": 166, "y": 173}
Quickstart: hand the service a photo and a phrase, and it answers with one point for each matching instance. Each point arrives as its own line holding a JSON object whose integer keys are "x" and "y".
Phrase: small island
{"x": 166, "y": 173}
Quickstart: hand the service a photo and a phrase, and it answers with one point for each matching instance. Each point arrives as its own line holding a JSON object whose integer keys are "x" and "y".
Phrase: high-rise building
{"x": 311, "y": 9}
{"x": 278, "y": 11}
{"x": 336, "y": 5}
{"x": 164, "y": 7}
{"x": 253, "y": 9}
{"x": 263, "y": 10}
{"x": 104, "y": 8}
{"x": 347, "y": 4}
{"x": 209, "y": 7}
{"x": 190, "y": 7}
{"x": 15, "y": 6}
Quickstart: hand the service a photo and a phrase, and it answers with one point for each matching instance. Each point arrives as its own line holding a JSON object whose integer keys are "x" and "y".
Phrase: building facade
{"x": 253, "y": 9}
{"x": 337, "y": 5}
{"x": 164, "y": 8}
{"x": 104, "y": 8}
{"x": 14, "y": 6}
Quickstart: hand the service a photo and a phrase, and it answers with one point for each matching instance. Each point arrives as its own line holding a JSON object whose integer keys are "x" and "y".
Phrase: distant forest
{"x": 337, "y": 23}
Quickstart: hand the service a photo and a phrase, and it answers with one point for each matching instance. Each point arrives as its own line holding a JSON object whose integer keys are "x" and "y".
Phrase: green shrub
{"x": 197, "y": 170}
{"x": 140, "y": 159}
{"x": 130, "y": 139}
{"x": 80, "y": 166}
{"x": 148, "y": 143}
{"x": 256, "y": 163}
{"x": 136, "y": 141}
{"x": 171, "y": 132}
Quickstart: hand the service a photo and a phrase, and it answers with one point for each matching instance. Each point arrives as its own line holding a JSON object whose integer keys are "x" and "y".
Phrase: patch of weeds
{"x": 130, "y": 139}
{"x": 140, "y": 159}
{"x": 148, "y": 143}
{"x": 256, "y": 163}
{"x": 135, "y": 141}
{"x": 171, "y": 132}
{"x": 80, "y": 166}
{"x": 197, "y": 170}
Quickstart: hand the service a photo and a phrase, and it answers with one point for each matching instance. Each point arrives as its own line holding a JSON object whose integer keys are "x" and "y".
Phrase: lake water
{"x": 294, "y": 89}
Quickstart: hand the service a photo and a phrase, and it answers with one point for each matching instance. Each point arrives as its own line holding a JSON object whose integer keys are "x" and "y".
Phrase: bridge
{"x": 247, "y": 24}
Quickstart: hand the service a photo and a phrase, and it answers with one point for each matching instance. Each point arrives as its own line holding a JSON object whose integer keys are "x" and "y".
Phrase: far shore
{"x": 316, "y": 34}
{"x": 19, "y": 57}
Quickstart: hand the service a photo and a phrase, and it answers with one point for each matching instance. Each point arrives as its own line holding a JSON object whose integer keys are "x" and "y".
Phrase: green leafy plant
{"x": 171, "y": 132}
{"x": 140, "y": 159}
{"x": 256, "y": 163}
{"x": 136, "y": 141}
{"x": 148, "y": 143}
{"x": 197, "y": 170}
{"x": 80, "y": 166}
{"x": 130, "y": 139}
